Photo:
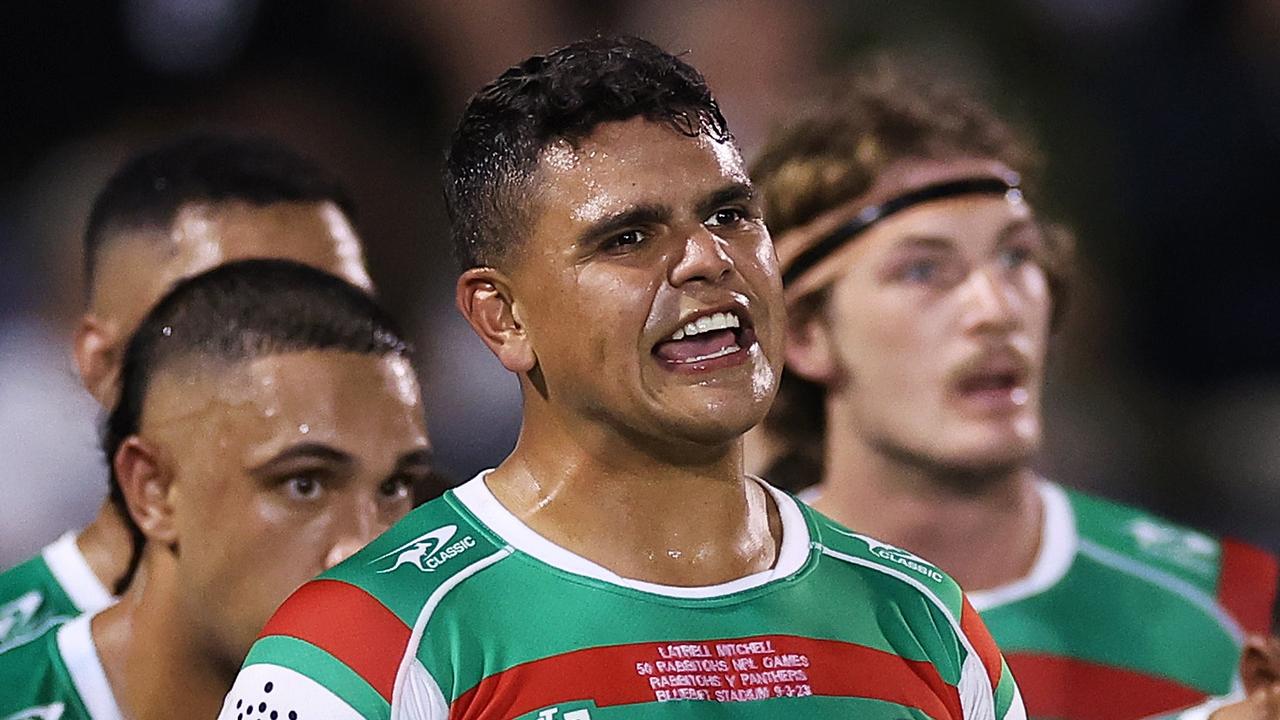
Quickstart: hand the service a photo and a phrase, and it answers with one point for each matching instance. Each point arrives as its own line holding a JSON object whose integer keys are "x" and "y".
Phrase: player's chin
{"x": 713, "y": 418}
{"x": 992, "y": 449}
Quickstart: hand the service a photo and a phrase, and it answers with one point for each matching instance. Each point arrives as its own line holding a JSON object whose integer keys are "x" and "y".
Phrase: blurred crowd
{"x": 1160, "y": 124}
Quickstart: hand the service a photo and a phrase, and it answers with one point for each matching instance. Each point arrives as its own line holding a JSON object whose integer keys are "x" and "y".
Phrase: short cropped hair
{"x": 147, "y": 192}
{"x": 563, "y": 95}
{"x": 235, "y": 313}
{"x": 831, "y": 154}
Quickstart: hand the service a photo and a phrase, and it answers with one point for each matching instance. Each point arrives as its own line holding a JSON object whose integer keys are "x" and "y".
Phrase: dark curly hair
{"x": 563, "y": 95}
{"x": 234, "y": 313}
{"x": 833, "y": 153}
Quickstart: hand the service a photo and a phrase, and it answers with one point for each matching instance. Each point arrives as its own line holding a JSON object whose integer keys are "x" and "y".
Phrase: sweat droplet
{"x": 166, "y": 331}
{"x": 1019, "y": 396}
{"x": 304, "y": 428}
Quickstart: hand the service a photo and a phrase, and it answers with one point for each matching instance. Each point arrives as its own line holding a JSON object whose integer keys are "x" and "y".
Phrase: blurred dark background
{"x": 1160, "y": 120}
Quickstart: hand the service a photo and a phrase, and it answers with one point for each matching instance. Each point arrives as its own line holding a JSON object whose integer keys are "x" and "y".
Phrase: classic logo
{"x": 1192, "y": 550}
{"x": 885, "y": 551}
{"x": 427, "y": 551}
{"x": 43, "y": 712}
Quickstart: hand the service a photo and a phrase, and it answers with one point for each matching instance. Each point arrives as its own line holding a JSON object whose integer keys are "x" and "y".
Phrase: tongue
{"x": 697, "y": 346}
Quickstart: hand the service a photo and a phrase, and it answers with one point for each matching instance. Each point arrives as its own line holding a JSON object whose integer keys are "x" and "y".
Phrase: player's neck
{"x": 105, "y": 544}
{"x": 984, "y": 532}
{"x": 148, "y": 651}
{"x": 636, "y": 512}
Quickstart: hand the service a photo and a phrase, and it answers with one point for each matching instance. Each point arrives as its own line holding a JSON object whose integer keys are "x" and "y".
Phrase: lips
{"x": 995, "y": 382}
{"x": 707, "y": 340}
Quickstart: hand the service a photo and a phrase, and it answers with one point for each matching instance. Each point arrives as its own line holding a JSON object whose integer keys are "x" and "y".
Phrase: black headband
{"x": 873, "y": 214}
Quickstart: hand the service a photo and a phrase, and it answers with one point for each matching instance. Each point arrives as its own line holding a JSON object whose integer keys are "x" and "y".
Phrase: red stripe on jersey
{"x": 349, "y": 624}
{"x": 976, "y": 630}
{"x": 635, "y": 673}
{"x": 1247, "y": 584}
{"x": 1073, "y": 689}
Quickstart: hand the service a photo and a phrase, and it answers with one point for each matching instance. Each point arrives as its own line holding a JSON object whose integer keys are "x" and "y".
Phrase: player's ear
{"x": 98, "y": 358}
{"x": 1260, "y": 663}
{"x": 485, "y": 298}
{"x": 145, "y": 481}
{"x": 809, "y": 347}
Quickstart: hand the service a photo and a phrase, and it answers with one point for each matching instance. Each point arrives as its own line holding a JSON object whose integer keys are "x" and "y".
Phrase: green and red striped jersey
{"x": 461, "y": 611}
{"x": 1125, "y": 615}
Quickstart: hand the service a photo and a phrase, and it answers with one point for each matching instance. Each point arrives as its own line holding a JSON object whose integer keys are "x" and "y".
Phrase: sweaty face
{"x": 938, "y": 332}
{"x": 281, "y": 467}
{"x": 135, "y": 272}
{"x": 649, "y": 287}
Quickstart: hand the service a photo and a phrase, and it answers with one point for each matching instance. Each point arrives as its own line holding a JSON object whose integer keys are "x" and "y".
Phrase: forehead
{"x": 313, "y": 233}
{"x": 136, "y": 270}
{"x": 621, "y": 165}
{"x": 331, "y": 395}
{"x": 966, "y": 221}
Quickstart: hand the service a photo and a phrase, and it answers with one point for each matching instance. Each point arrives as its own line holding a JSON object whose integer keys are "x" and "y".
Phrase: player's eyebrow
{"x": 306, "y": 450}
{"x": 738, "y": 192}
{"x": 421, "y": 456}
{"x": 1008, "y": 232}
{"x": 646, "y": 214}
{"x": 927, "y": 242}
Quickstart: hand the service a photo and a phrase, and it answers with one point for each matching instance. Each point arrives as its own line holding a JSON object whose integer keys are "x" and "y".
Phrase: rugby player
{"x": 269, "y": 424}
{"x": 619, "y": 563}
{"x": 922, "y": 288}
{"x": 165, "y": 215}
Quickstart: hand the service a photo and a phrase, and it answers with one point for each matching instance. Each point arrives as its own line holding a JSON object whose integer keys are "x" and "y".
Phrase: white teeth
{"x": 708, "y": 323}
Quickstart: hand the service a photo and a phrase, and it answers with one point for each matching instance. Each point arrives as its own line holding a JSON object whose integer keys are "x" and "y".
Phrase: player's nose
{"x": 702, "y": 257}
{"x": 358, "y": 528}
{"x": 990, "y": 305}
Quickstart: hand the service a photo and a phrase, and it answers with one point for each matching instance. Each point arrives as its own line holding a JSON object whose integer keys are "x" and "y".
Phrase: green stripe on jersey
{"x": 323, "y": 668}
{"x": 35, "y": 677}
{"x": 31, "y": 602}
{"x": 1005, "y": 690}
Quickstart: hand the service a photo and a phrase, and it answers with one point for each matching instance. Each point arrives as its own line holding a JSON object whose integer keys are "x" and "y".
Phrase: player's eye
{"x": 624, "y": 240}
{"x": 726, "y": 216}
{"x": 303, "y": 487}
{"x": 1014, "y": 256}
{"x": 396, "y": 488}
{"x": 921, "y": 271}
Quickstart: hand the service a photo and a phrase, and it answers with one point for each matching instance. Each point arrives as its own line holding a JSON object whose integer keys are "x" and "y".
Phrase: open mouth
{"x": 994, "y": 388}
{"x": 707, "y": 341}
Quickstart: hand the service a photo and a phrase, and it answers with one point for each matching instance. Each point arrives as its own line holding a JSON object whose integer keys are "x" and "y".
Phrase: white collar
{"x": 476, "y": 496}
{"x": 80, "y": 655}
{"x": 70, "y": 568}
{"x": 1059, "y": 541}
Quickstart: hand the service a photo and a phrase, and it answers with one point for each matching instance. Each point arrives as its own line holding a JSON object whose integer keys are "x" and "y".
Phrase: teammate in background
{"x": 165, "y": 215}
{"x": 619, "y": 563}
{"x": 922, "y": 289}
{"x": 269, "y": 424}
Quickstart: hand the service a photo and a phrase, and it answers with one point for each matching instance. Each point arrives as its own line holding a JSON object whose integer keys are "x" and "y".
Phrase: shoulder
{"x": 341, "y": 639}
{"x": 932, "y": 605}
{"x": 31, "y": 602}
{"x": 1179, "y": 560}
{"x": 887, "y": 564}
{"x": 37, "y": 688}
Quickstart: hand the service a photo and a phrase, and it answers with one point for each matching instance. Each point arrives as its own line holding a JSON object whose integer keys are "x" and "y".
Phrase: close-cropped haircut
{"x": 147, "y": 192}
{"x": 563, "y": 95}
{"x": 832, "y": 153}
{"x": 233, "y": 314}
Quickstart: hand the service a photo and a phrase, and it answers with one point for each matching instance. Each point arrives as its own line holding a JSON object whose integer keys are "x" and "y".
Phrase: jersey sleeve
{"x": 987, "y": 688}
{"x": 332, "y": 651}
